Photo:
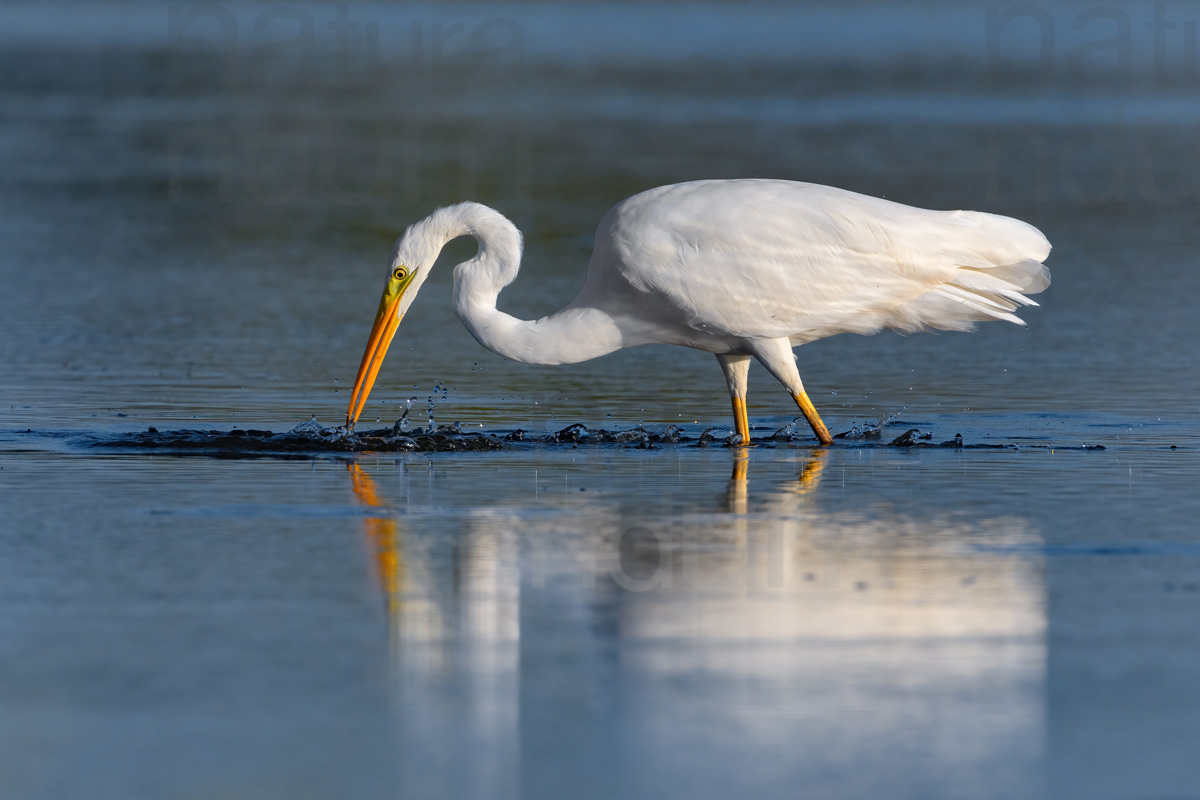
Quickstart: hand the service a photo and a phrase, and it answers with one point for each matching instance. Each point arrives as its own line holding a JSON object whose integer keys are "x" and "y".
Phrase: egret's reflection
{"x": 808, "y": 479}
{"x": 382, "y": 540}
{"x": 455, "y": 631}
{"x": 791, "y": 627}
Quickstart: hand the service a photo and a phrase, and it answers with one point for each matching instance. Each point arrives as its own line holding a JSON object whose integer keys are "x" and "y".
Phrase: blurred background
{"x": 197, "y": 205}
{"x": 212, "y": 179}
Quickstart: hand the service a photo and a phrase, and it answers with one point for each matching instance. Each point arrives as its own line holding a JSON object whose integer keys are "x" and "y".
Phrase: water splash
{"x": 787, "y": 433}
{"x": 309, "y": 427}
{"x": 673, "y": 435}
{"x": 639, "y": 437}
{"x": 311, "y": 439}
{"x": 440, "y": 392}
{"x": 572, "y": 434}
{"x": 308, "y": 438}
{"x": 708, "y": 437}
{"x": 913, "y": 437}
{"x": 401, "y": 425}
{"x": 872, "y": 429}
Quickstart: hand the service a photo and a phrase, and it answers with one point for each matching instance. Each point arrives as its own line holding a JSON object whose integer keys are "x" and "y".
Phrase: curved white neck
{"x": 573, "y": 333}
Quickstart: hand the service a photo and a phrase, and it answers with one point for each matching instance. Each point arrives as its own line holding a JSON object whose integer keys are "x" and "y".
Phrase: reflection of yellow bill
{"x": 382, "y": 538}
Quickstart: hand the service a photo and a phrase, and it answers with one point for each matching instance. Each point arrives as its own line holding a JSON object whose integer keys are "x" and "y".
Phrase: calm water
{"x": 195, "y": 232}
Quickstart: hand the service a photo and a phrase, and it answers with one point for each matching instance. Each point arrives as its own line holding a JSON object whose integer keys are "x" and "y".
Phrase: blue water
{"x": 194, "y": 237}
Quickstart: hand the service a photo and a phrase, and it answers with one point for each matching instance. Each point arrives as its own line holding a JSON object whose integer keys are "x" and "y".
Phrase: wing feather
{"x": 765, "y": 258}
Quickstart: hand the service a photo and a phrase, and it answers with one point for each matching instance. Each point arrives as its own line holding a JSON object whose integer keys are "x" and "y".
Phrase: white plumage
{"x": 739, "y": 268}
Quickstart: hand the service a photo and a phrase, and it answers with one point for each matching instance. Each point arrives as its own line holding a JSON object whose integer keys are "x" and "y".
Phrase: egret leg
{"x": 737, "y": 377}
{"x": 777, "y": 356}
{"x": 814, "y": 419}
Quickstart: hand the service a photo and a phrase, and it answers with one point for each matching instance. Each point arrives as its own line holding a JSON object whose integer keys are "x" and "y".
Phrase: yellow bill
{"x": 387, "y": 320}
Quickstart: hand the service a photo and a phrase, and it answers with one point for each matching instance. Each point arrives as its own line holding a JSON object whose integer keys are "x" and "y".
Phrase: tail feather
{"x": 982, "y": 299}
{"x": 1029, "y": 276}
{"x": 991, "y": 270}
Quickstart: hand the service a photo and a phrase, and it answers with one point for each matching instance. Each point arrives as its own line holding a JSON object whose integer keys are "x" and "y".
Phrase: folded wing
{"x": 764, "y": 258}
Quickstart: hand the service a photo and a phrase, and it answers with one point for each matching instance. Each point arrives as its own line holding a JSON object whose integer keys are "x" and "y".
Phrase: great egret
{"x": 738, "y": 268}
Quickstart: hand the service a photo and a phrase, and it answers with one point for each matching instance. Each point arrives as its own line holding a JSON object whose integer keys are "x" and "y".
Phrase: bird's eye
{"x": 400, "y": 273}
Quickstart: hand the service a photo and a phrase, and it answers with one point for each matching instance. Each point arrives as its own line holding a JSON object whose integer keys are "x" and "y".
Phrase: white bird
{"x": 738, "y": 268}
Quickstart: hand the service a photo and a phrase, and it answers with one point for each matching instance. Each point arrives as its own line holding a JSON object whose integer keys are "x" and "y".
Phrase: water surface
{"x": 195, "y": 238}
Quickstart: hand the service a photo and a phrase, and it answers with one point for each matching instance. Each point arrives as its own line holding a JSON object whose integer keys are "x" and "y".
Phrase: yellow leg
{"x": 741, "y": 420}
{"x": 814, "y": 419}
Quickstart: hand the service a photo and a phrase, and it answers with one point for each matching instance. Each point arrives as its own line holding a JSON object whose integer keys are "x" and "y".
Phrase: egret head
{"x": 412, "y": 259}
{"x": 494, "y": 266}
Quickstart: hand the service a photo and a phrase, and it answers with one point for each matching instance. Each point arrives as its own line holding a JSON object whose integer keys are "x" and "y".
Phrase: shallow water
{"x": 195, "y": 240}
